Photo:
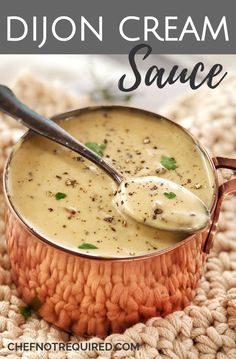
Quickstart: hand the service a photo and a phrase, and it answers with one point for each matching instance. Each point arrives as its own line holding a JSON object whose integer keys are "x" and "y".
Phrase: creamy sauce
{"x": 162, "y": 204}
{"x": 70, "y": 201}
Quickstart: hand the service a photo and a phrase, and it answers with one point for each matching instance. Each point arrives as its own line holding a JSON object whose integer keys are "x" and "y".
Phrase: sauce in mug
{"x": 71, "y": 202}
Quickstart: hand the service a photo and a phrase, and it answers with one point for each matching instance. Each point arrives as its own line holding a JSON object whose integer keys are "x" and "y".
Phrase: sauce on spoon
{"x": 162, "y": 204}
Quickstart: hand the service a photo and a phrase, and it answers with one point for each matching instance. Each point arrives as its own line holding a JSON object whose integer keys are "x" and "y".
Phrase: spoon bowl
{"x": 162, "y": 204}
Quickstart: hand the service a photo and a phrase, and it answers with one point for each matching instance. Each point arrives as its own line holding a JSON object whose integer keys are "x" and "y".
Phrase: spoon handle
{"x": 13, "y": 107}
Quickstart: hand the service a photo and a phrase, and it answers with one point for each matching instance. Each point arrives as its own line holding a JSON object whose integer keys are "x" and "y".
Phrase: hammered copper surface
{"x": 97, "y": 297}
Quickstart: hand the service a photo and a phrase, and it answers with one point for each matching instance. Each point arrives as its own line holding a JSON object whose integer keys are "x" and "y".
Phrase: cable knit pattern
{"x": 207, "y": 328}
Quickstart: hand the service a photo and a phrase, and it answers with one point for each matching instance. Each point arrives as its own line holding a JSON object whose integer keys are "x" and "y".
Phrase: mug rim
{"x": 69, "y": 250}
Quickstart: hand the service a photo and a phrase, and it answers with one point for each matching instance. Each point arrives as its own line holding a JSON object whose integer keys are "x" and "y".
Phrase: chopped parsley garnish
{"x": 168, "y": 162}
{"x": 26, "y": 311}
{"x": 96, "y": 147}
{"x": 169, "y": 195}
{"x": 109, "y": 94}
{"x": 87, "y": 246}
{"x": 60, "y": 195}
{"x": 106, "y": 91}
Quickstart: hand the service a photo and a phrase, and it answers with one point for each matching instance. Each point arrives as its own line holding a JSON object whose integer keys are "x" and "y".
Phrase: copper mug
{"x": 96, "y": 296}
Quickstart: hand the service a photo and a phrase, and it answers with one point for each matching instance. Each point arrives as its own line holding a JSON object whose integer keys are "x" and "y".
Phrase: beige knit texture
{"x": 207, "y": 328}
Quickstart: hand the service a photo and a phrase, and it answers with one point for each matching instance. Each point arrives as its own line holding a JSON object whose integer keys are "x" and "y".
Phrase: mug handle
{"x": 225, "y": 189}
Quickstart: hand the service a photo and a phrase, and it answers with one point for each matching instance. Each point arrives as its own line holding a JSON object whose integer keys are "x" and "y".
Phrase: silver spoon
{"x": 13, "y": 107}
{"x": 43, "y": 126}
